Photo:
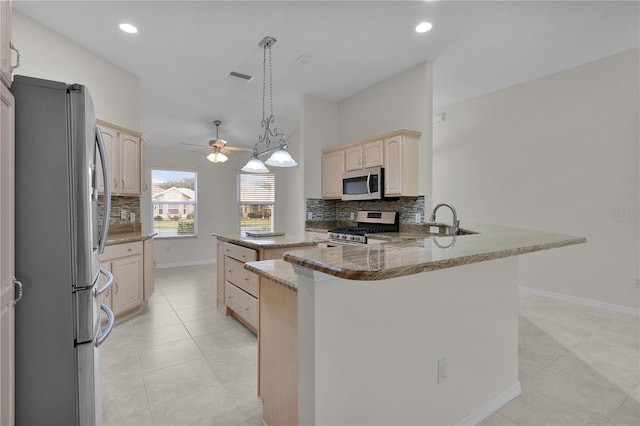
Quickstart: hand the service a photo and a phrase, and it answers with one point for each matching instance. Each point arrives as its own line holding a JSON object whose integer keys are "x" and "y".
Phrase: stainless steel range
{"x": 368, "y": 222}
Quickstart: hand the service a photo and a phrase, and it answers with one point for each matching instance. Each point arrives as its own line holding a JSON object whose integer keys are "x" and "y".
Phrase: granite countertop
{"x": 424, "y": 253}
{"x": 294, "y": 240}
{"x": 277, "y": 270}
{"x": 127, "y": 233}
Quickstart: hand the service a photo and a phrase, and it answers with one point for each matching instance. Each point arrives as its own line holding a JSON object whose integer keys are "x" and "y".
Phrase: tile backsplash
{"x": 329, "y": 210}
{"x": 131, "y": 204}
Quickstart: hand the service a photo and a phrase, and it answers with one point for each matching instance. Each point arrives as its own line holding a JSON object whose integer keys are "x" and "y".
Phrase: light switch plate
{"x": 123, "y": 214}
{"x": 309, "y": 215}
{"x": 132, "y": 217}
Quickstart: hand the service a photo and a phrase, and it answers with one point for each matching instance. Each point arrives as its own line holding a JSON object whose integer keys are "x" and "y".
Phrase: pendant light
{"x": 280, "y": 157}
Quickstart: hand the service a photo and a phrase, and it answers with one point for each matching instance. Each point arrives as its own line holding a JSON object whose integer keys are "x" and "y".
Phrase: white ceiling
{"x": 184, "y": 50}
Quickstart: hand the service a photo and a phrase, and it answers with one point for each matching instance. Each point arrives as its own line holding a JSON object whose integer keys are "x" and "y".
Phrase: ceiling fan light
{"x": 217, "y": 157}
{"x": 281, "y": 158}
{"x": 255, "y": 166}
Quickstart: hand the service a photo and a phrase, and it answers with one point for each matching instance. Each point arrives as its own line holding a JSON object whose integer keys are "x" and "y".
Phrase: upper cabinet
{"x": 5, "y": 42}
{"x": 364, "y": 155}
{"x": 123, "y": 149}
{"x": 332, "y": 169}
{"x": 401, "y": 164}
{"x": 396, "y": 151}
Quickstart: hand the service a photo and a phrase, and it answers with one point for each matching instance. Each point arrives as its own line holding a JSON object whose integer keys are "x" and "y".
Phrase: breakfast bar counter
{"x": 422, "y": 329}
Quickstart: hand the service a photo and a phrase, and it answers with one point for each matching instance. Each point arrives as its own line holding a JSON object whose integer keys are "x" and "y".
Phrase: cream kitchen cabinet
{"x": 364, "y": 155}
{"x": 125, "y": 261}
{"x": 123, "y": 149}
{"x": 401, "y": 164}
{"x": 5, "y": 42}
{"x": 333, "y": 163}
{"x": 240, "y": 285}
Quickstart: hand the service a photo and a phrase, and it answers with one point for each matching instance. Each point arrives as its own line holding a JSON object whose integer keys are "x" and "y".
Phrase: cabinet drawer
{"x": 121, "y": 250}
{"x": 240, "y": 253}
{"x": 236, "y": 274}
{"x": 242, "y": 303}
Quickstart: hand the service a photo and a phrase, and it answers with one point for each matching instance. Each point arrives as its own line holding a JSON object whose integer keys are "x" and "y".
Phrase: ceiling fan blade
{"x": 201, "y": 149}
{"x": 239, "y": 148}
{"x": 193, "y": 144}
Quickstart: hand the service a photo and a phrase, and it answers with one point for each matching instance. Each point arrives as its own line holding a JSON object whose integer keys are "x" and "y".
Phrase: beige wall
{"x": 561, "y": 154}
{"x": 47, "y": 54}
{"x": 217, "y": 206}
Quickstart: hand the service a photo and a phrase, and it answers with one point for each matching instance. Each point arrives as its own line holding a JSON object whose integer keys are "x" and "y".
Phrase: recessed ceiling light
{"x": 423, "y": 27}
{"x": 128, "y": 28}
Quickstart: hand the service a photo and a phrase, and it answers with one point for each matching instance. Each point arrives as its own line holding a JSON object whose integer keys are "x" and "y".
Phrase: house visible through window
{"x": 173, "y": 202}
{"x": 256, "y": 196}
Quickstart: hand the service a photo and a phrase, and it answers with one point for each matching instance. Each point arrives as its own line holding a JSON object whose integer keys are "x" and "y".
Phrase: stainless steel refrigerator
{"x": 57, "y": 243}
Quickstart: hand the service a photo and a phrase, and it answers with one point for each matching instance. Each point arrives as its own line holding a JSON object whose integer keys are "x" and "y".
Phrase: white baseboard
{"x": 579, "y": 300}
{"x": 490, "y": 407}
{"x": 187, "y": 263}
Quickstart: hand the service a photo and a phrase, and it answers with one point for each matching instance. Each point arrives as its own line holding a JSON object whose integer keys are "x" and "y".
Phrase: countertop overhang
{"x": 282, "y": 241}
{"x": 418, "y": 253}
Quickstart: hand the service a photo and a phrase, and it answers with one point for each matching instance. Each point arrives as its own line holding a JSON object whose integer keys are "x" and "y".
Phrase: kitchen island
{"x": 420, "y": 330}
{"x": 237, "y": 288}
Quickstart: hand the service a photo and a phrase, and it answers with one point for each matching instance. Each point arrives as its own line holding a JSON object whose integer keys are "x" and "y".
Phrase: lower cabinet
{"x": 126, "y": 263}
{"x": 149, "y": 269}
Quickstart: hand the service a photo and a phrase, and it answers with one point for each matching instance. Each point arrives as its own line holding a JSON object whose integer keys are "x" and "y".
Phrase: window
{"x": 173, "y": 203}
{"x": 256, "y": 196}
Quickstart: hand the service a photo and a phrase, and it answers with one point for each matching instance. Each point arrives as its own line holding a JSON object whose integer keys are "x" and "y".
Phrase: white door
{"x": 7, "y": 294}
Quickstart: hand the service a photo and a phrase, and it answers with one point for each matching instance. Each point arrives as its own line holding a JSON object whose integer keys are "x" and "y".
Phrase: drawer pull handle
{"x": 116, "y": 290}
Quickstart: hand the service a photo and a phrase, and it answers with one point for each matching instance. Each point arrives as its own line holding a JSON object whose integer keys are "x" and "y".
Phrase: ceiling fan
{"x": 218, "y": 147}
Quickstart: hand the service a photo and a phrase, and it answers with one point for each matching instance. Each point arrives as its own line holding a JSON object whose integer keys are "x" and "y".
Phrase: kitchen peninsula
{"x": 420, "y": 330}
{"x": 237, "y": 288}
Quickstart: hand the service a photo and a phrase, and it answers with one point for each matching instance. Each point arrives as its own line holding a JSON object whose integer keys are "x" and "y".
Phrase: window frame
{"x": 168, "y": 206}
{"x": 241, "y": 203}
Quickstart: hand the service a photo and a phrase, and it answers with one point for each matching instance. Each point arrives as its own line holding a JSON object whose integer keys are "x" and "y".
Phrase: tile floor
{"x": 183, "y": 362}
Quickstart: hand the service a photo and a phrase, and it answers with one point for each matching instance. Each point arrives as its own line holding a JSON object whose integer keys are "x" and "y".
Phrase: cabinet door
{"x": 149, "y": 266}
{"x": 129, "y": 164}
{"x": 332, "y": 170}
{"x": 127, "y": 280}
{"x": 7, "y": 309}
{"x": 393, "y": 166}
{"x": 373, "y": 154}
{"x": 5, "y": 42}
{"x": 109, "y": 137}
{"x": 353, "y": 157}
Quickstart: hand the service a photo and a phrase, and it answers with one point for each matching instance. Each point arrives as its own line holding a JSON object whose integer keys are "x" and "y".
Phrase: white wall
{"x": 561, "y": 154}
{"x": 218, "y": 209}
{"x": 47, "y": 54}
{"x": 318, "y": 130}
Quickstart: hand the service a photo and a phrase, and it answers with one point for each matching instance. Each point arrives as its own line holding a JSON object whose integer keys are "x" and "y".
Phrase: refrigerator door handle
{"x": 18, "y": 290}
{"x": 107, "y": 284}
{"x": 107, "y": 191}
{"x": 107, "y": 330}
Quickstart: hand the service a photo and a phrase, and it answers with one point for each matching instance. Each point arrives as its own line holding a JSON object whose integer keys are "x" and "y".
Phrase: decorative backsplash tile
{"x": 329, "y": 210}
{"x": 131, "y": 204}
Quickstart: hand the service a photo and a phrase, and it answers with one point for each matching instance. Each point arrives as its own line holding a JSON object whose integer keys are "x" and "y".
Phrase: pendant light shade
{"x": 255, "y": 166}
{"x": 281, "y": 158}
{"x": 217, "y": 157}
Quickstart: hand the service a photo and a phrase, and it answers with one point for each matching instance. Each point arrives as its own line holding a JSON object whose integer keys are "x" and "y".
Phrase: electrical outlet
{"x": 132, "y": 217}
{"x": 417, "y": 217}
{"x": 352, "y": 215}
{"x": 309, "y": 215}
{"x": 443, "y": 370}
{"x": 123, "y": 214}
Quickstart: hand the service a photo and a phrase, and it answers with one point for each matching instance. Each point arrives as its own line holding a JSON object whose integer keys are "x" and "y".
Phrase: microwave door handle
{"x": 106, "y": 211}
{"x": 369, "y": 183}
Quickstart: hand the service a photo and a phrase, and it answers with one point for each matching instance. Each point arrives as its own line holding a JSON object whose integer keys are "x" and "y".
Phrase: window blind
{"x": 257, "y": 188}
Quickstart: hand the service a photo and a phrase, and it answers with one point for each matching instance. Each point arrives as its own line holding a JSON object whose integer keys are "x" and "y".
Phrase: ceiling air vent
{"x": 240, "y": 76}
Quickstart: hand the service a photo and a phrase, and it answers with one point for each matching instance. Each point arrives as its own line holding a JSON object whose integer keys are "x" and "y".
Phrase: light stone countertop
{"x": 277, "y": 270}
{"x": 415, "y": 253}
{"x": 282, "y": 241}
{"x": 128, "y": 237}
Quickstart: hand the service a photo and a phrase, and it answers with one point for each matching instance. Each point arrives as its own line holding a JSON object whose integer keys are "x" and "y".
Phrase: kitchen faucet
{"x": 456, "y": 222}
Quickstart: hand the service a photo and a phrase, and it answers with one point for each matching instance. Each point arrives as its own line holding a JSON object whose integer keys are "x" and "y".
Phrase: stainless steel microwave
{"x": 363, "y": 184}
